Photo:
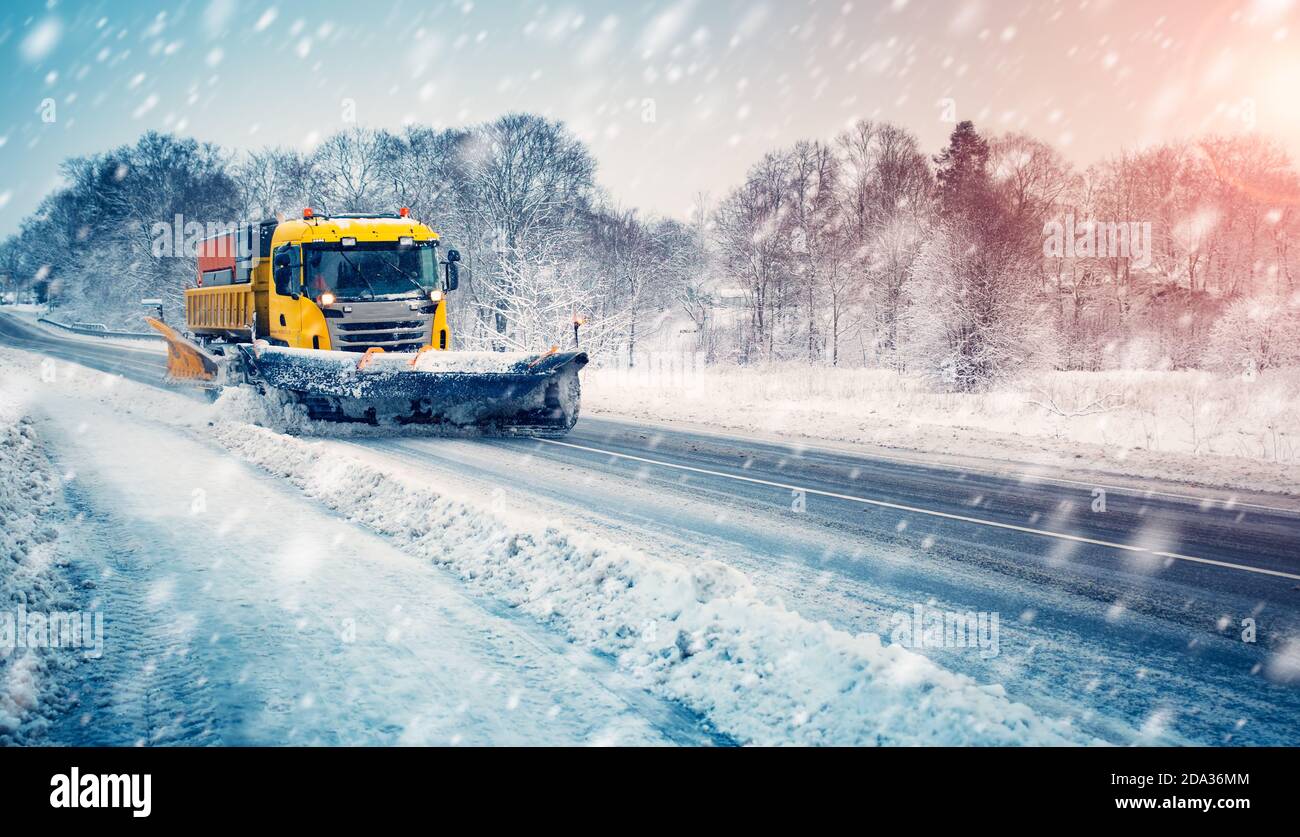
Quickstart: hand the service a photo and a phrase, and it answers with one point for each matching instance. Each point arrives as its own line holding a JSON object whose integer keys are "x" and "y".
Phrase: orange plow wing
{"x": 186, "y": 360}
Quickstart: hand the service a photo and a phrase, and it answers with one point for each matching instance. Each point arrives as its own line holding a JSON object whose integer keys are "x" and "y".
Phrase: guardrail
{"x": 101, "y": 330}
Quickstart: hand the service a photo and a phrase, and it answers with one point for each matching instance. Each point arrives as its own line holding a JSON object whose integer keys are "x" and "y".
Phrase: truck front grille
{"x": 405, "y": 332}
{"x": 388, "y": 325}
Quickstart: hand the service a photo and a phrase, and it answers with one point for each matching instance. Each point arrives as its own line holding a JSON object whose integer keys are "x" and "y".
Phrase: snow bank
{"x": 1183, "y": 426}
{"x": 698, "y": 634}
{"x": 30, "y": 575}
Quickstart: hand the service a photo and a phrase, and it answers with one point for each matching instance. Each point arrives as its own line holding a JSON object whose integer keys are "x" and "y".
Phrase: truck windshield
{"x": 370, "y": 270}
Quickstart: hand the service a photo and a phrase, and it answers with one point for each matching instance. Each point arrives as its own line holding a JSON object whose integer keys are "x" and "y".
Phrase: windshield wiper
{"x": 358, "y": 272}
{"x": 408, "y": 277}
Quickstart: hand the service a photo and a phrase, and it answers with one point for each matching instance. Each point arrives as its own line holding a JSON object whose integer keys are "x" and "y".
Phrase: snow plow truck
{"x": 346, "y": 317}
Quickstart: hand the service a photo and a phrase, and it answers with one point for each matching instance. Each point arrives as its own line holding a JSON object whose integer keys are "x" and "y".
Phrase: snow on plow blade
{"x": 493, "y": 392}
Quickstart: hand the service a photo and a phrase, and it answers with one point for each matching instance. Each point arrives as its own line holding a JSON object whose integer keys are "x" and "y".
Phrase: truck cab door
{"x": 286, "y": 292}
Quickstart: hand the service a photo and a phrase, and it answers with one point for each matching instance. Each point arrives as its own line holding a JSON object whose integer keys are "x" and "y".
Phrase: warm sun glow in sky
{"x": 675, "y": 98}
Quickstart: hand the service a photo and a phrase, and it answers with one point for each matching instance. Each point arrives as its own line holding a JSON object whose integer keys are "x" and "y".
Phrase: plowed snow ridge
{"x": 30, "y": 575}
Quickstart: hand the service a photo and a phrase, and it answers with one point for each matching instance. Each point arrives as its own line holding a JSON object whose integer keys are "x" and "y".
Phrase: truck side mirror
{"x": 284, "y": 272}
{"x": 453, "y": 271}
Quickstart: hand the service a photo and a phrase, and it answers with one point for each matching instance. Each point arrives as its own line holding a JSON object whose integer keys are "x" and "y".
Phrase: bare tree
{"x": 813, "y": 228}
{"x": 753, "y": 251}
{"x": 349, "y": 177}
{"x": 528, "y": 181}
{"x": 275, "y": 181}
{"x": 886, "y": 193}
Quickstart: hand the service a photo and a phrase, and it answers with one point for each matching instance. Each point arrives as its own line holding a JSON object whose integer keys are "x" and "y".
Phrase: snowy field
{"x": 403, "y": 608}
{"x": 1187, "y": 426}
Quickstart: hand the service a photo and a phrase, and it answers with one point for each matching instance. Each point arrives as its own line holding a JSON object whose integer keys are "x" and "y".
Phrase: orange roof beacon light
{"x": 404, "y": 212}
{"x": 307, "y": 214}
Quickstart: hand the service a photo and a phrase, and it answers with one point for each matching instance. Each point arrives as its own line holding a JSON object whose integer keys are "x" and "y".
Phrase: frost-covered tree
{"x": 695, "y": 265}
{"x": 818, "y": 246}
{"x": 528, "y": 184}
{"x": 642, "y": 266}
{"x": 275, "y": 182}
{"x": 1254, "y": 334}
{"x": 975, "y": 316}
{"x": 754, "y": 252}
{"x": 423, "y": 170}
{"x": 887, "y": 203}
{"x": 91, "y": 243}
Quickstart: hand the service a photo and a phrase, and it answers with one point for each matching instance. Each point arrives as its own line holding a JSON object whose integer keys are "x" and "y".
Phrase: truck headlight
{"x": 327, "y": 299}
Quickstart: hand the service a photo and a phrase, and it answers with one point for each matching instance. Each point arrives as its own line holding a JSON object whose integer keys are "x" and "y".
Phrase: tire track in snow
{"x": 147, "y": 688}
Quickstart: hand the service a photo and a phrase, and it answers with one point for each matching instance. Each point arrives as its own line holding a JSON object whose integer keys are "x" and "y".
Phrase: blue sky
{"x": 674, "y": 98}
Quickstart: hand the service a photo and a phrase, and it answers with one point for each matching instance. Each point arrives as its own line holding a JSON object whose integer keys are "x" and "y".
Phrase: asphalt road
{"x": 135, "y": 364}
{"x": 1131, "y": 617}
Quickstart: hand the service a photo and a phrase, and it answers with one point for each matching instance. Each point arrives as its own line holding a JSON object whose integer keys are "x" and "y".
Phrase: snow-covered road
{"x": 227, "y": 591}
{"x": 239, "y": 613}
{"x": 524, "y": 563}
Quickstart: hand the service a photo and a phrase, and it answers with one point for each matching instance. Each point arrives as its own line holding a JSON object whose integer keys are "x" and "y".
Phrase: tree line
{"x": 859, "y": 250}
{"x": 865, "y": 250}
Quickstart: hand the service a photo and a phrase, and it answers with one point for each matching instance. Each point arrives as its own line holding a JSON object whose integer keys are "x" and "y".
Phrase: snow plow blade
{"x": 187, "y": 362}
{"x": 487, "y": 392}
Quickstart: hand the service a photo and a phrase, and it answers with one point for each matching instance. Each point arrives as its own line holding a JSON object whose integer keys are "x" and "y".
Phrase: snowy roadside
{"x": 1188, "y": 428}
{"x": 33, "y": 582}
{"x": 697, "y": 633}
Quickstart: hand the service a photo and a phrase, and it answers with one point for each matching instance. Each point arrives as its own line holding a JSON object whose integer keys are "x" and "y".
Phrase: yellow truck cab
{"x": 344, "y": 282}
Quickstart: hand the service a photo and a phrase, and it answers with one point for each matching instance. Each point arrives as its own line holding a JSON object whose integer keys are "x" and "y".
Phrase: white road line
{"x": 916, "y": 510}
{"x": 848, "y": 449}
